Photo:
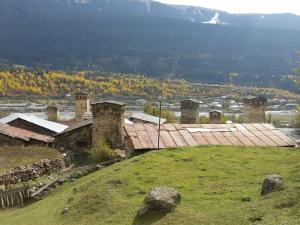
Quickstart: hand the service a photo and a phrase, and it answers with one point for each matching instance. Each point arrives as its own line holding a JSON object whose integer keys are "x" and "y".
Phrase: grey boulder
{"x": 161, "y": 200}
{"x": 272, "y": 183}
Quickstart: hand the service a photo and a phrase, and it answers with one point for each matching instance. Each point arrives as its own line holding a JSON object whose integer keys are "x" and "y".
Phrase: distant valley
{"x": 150, "y": 38}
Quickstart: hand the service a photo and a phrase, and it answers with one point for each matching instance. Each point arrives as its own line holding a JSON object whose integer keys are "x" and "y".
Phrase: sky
{"x": 244, "y": 6}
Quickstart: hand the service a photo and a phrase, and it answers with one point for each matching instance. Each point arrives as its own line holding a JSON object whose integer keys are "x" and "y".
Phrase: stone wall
{"x": 27, "y": 173}
{"x": 76, "y": 140}
{"x": 52, "y": 113}
{"x": 215, "y": 117}
{"x": 189, "y": 112}
{"x": 254, "y": 110}
{"x": 108, "y": 123}
{"x": 31, "y": 127}
{"x": 82, "y": 105}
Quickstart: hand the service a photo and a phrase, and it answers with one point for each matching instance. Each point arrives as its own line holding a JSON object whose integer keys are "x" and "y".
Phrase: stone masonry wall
{"x": 254, "y": 110}
{"x": 73, "y": 140}
{"x": 108, "y": 123}
{"x": 82, "y": 105}
{"x": 189, "y": 112}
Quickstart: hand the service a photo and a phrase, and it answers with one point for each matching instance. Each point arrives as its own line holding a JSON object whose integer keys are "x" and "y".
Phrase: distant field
{"x": 211, "y": 180}
{"x": 11, "y": 157}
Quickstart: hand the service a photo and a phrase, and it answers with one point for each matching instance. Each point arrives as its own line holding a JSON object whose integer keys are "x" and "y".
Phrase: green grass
{"x": 211, "y": 180}
{"x": 11, "y": 157}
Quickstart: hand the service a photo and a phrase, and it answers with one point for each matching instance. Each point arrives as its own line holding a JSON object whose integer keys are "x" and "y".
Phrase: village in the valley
{"x": 127, "y": 132}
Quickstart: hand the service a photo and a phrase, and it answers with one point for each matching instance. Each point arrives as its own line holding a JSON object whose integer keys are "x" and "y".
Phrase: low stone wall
{"x": 14, "y": 198}
{"x": 27, "y": 173}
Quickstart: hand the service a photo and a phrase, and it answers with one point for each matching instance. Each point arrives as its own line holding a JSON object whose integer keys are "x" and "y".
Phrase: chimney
{"x": 215, "y": 117}
{"x": 108, "y": 123}
{"x": 254, "y": 110}
{"x": 189, "y": 112}
{"x": 52, "y": 113}
{"x": 82, "y": 105}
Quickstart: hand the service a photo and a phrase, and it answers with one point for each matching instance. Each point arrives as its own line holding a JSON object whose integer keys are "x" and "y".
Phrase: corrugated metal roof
{"x": 147, "y": 118}
{"x": 55, "y": 127}
{"x": 145, "y": 136}
{"x": 84, "y": 123}
{"x": 77, "y": 126}
{"x": 22, "y": 134}
{"x": 110, "y": 102}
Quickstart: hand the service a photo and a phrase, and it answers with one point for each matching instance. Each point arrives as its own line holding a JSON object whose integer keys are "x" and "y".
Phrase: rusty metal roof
{"x": 145, "y": 136}
{"x": 22, "y": 134}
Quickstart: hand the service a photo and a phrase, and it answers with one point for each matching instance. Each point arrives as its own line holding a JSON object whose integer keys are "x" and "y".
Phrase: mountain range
{"x": 151, "y": 38}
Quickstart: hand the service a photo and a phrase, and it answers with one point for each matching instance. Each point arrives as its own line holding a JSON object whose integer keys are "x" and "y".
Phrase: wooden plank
{"x": 200, "y": 138}
{"x": 135, "y": 140}
{"x": 154, "y": 139}
{"x": 275, "y": 138}
{"x": 249, "y": 126}
{"x": 268, "y": 126}
{"x": 240, "y": 127}
{"x": 139, "y": 126}
{"x": 129, "y": 127}
{"x": 167, "y": 139}
{"x": 190, "y": 126}
{"x": 258, "y": 126}
{"x": 169, "y": 127}
{"x": 210, "y": 138}
{"x": 188, "y": 138}
{"x": 44, "y": 187}
{"x": 177, "y": 126}
{"x": 144, "y": 139}
{"x": 178, "y": 139}
{"x": 233, "y": 129}
{"x": 285, "y": 138}
{"x": 153, "y": 135}
{"x": 233, "y": 139}
{"x": 150, "y": 127}
{"x": 264, "y": 138}
{"x": 254, "y": 139}
{"x": 221, "y": 138}
{"x": 242, "y": 138}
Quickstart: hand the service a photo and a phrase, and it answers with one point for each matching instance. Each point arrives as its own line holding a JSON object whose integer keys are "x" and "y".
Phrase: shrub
{"x": 102, "y": 152}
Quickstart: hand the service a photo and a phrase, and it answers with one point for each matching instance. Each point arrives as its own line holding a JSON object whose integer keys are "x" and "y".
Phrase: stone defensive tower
{"x": 82, "y": 105}
{"x": 189, "y": 112}
{"x": 52, "y": 113}
{"x": 254, "y": 110}
{"x": 215, "y": 117}
{"x": 108, "y": 122}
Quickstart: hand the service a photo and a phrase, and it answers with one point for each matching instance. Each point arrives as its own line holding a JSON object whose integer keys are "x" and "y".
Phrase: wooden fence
{"x": 14, "y": 198}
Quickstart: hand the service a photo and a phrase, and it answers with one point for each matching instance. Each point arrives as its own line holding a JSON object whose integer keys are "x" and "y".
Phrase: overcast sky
{"x": 244, "y": 6}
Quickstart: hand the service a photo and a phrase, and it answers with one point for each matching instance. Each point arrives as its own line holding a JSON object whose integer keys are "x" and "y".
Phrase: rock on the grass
{"x": 272, "y": 183}
{"x": 160, "y": 199}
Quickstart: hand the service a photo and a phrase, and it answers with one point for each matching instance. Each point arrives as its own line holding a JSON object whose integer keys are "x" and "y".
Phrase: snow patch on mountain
{"x": 214, "y": 20}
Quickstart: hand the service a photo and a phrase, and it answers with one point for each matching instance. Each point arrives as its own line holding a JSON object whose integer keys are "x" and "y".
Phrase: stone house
{"x": 76, "y": 138}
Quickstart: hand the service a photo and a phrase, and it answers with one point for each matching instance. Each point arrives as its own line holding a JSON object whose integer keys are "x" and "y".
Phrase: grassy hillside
{"x": 211, "y": 180}
{"x": 11, "y": 157}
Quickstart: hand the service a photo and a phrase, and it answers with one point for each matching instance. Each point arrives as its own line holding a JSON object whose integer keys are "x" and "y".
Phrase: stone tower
{"x": 52, "y": 113}
{"x": 254, "y": 110}
{"x": 215, "y": 117}
{"x": 108, "y": 122}
{"x": 189, "y": 112}
{"x": 82, "y": 105}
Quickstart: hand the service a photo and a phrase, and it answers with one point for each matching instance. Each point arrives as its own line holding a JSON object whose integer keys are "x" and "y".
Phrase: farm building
{"x": 13, "y": 136}
{"x": 33, "y": 123}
